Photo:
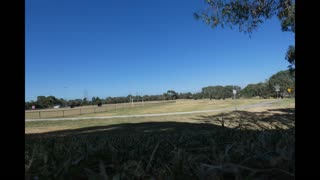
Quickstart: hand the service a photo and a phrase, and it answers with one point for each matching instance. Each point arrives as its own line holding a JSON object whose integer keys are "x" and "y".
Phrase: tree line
{"x": 284, "y": 79}
{"x": 262, "y": 90}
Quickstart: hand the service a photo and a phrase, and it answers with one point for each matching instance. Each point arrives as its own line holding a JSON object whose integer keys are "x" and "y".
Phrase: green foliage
{"x": 44, "y": 102}
{"x": 85, "y": 102}
{"x": 219, "y": 92}
{"x": 259, "y": 89}
{"x": 198, "y": 95}
{"x": 267, "y": 89}
{"x": 284, "y": 79}
{"x": 172, "y": 94}
{"x": 187, "y": 95}
{"x": 291, "y": 58}
{"x": 248, "y": 15}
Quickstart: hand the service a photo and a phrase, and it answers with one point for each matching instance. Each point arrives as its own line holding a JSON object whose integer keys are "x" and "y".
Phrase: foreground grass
{"x": 230, "y": 145}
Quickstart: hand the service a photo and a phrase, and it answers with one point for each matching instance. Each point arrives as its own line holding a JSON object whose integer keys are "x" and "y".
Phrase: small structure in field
{"x": 56, "y": 107}
{"x": 33, "y": 107}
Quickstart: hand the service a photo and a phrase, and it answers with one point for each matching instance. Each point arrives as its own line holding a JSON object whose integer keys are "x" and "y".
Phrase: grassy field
{"x": 73, "y": 112}
{"x": 138, "y": 108}
{"x": 257, "y": 143}
{"x": 180, "y": 106}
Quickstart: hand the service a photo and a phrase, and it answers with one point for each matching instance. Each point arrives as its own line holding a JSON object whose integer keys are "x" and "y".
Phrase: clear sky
{"x": 114, "y": 48}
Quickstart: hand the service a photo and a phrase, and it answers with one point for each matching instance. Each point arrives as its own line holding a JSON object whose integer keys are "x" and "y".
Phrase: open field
{"x": 147, "y": 108}
{"x": 45, "y": 126}
{"x": 181, "y": 106}
{"x": 256, "y": 143}
{"x": 73, "y": 112}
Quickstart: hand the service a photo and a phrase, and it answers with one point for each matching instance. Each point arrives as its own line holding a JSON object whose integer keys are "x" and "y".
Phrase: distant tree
{"x": 291, "y": 58}
{"x": 109, "y": 100}
{"x": 187, "y": 95}
{"x": 84, "y": 102}
{"x": 198, "y": 95}
{"x": 228, "y": 91}
{"x": 262, "y": 90}
{"x": 249, "y": 91}
{"x": 219, "y": 92}
{"x": 165, "y": 96}
{"x": 96, "y": 100}
{"x": 62, "y": 102}
{"x": 284, "y": 79}
{"x": 129, "y": 98}
{"x": 267, "y": 89}
{"x": 42, "y": 102}
{"x": 172, "y": 94}
{"x": 248, "y": 15}
{"x": 145, "y": 98}
{"x": 93, "y": 100}
{"x": 27, "y": 105}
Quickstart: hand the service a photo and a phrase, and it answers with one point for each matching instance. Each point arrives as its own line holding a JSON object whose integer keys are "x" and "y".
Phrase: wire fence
{"x": 65, "y": 112}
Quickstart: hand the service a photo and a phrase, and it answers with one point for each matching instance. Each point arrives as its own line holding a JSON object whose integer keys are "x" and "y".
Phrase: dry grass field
{"x": 83, "y": 110}
{"x": 256, "y": 143}
{"x": 139, "y": 108}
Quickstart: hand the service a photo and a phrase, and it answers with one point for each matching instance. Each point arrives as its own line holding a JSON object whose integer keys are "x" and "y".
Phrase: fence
{"x": 54, "y": 113}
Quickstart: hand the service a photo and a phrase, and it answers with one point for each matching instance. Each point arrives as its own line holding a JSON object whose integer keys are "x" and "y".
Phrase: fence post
{"x": 39, "y": 115}
{"x": 62, "y": 113}
{"x": 80, "y": 111}
{"x": 94, "y": 110}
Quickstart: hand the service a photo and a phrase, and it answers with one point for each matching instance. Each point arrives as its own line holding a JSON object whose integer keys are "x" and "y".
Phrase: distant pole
{"x": 65, "y": 100}
{"x": 235, "y": 102}
{"x": 277, "y": 88}
{"x": 142, "y": 101}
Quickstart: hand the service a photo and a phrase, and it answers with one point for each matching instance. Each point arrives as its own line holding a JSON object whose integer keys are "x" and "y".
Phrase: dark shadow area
{"x": 285, "y": 110}
{"x": 273, "y": 118}
{"x": 170, "y": 150}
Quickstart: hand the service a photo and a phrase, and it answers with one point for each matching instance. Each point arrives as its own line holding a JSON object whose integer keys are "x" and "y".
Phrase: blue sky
{"x": 114, "y": 48}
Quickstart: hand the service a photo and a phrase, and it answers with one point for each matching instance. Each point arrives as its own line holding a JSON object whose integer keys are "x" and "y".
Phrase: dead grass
{"x": 148, "y": 108}
{"x": 47, "y": 126}
{"x": 251, "y": 144}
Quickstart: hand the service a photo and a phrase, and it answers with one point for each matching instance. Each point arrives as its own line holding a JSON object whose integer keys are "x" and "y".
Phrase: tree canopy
{"x": 248, "y": 15}
{"x": 284, "y": 79}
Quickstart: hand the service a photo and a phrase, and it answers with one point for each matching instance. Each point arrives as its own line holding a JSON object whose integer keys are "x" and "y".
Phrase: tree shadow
{"x": 282, "y": 118}
{"x": 284, "y": 110}
{"x": 231, "y": 145}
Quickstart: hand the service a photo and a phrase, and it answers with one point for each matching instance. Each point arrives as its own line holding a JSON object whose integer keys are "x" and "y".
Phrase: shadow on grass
{"x": 232, "y": 145}
{"x": 282, "y": 118}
